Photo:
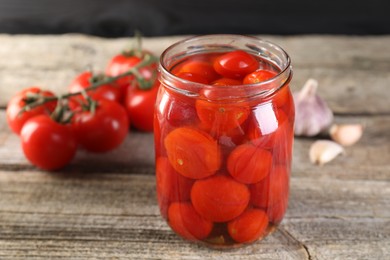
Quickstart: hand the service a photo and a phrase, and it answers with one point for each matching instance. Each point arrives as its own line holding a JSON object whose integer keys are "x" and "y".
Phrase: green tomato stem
{"x": 147, "y": 60}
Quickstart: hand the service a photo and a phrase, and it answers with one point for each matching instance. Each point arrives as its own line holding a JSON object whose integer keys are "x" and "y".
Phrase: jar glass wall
{"x": 223, "y": 138}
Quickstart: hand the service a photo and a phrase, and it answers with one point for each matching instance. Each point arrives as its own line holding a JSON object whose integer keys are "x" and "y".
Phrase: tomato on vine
{"x": 139, "y": 104}
{"x": 47, "y": 144}
{"x": 17, "y": 108}
{"x": 86, "y": 79}
{"x": 127, "y": 60}
{"x": 102, "y": 128}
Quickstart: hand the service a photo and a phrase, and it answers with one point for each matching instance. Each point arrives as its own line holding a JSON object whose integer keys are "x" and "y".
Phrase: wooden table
{"x": 104, "y": 206}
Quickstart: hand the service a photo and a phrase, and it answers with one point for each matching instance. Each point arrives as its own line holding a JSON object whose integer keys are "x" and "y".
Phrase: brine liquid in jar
{"x": 223, "y": 138}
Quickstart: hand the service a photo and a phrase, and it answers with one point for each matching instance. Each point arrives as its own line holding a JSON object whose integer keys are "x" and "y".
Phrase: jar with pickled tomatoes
{"x": 223, "y": 138}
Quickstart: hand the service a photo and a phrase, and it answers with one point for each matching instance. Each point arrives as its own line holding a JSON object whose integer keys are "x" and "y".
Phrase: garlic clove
{"x": 312, "y": 113}
{"x": 324, "y": 151}
{"x": 346, "y": 135}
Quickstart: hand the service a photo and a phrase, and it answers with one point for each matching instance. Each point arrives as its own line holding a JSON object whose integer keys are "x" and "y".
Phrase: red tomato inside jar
{"x": 223, "y": 138}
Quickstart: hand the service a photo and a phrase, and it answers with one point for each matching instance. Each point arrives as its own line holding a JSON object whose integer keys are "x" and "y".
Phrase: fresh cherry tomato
{"x": 259, "y": 76}
{"x": 139, "y": 105}
{"x": 46, "y": 143}
{"x": 202, "y": 69}
{"x": 219, "y": 198}
{"x": 249, "y": 226}
{"x": 249, "y": 164}
{"x": 16, "y": 119}
{"x": 121, "y": 63}
{"x": 192, "y": 153}
{"x": 187, "y": 222}
{"x": 86, "y": 79}
{"x": 103, "y": 129}
{"x": 220, "y": 116}
{"x": 271, "y": 190}
{"x": 170, "y": 184}
{"x": 235, "y": 64}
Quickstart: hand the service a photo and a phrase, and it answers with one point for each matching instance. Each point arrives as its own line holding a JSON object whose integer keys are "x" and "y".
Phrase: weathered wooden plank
{"x": 277, "y": 246}
{"x": 120, "y": 194}
{"x": 352, "y": 71}
{"x": 118, "y": 209}
{"x": 368, "y": 159}
{"x": 343, "y": 238}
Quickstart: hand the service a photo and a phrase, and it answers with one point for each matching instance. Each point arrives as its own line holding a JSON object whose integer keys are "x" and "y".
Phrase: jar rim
{"x": 282, "y": 77}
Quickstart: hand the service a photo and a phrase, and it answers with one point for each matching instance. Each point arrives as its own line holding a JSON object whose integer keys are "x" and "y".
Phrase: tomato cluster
{"x": 95, "y": 114}
{"x": 223, "y": 156}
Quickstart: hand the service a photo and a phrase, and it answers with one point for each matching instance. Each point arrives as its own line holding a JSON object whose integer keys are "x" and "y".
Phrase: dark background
{"x": 117, "y": 18}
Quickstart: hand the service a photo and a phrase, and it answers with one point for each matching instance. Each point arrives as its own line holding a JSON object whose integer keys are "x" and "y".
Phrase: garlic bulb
{"x": 346, "y": 135}
{"x": 312, "y": 114}
{"x": 324, "y": 151}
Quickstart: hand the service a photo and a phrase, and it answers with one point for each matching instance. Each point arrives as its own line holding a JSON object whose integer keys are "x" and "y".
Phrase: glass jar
{"x": 223, "y": 138}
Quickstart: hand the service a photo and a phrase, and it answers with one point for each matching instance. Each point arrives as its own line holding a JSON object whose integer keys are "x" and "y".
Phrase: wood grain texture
{"x": 104, "y": 206}
{"x": 351, "y": 71}
{"x": 64, "y": 212}
{"x": 367, "y": 160}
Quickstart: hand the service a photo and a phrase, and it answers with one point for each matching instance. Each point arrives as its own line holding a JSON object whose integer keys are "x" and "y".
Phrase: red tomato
{"x": 192, "y": 153}
{"x": 219, "y": 198}
{"x": 46, "y": 143}
{"x": 187, "y": 222}
{"x": 163, "y": 204}
{"x": 259, "y": 76}
{"x": 235, "y": 64}
{"x": 139, "y": 105}
{"x": 86, "y": 79}
{"x": 230, "y": 139}
{"x": 226, "y": 82}
{"x": 282, "y": 146}
{"x": 103, "y": 130}
{"x": 121, "y": 63}
{"x": 249, "y": 226}
{"x": 201, "y": 68}
{"x": 220, "y": 116}
{"x": 178, "y": 110}
{"x": 271, "y": 190}
{"x": 249, "y": 164}
{"x": 171, "y": 184}
{"x": 192, "y": 77}
{"x": 264, "y": 127}
{"x": 17, "y": 102}
{"x": 276, "y": 212}
{"x": 281, "y": 97}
